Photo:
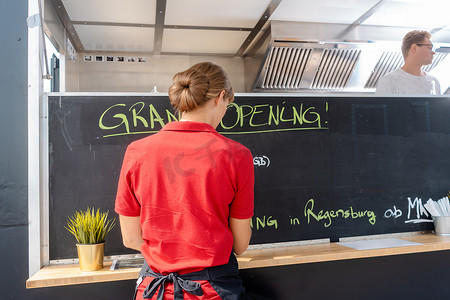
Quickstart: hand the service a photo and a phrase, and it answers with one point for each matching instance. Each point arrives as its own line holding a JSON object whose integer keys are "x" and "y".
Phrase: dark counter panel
{"x": 412, "y": 276}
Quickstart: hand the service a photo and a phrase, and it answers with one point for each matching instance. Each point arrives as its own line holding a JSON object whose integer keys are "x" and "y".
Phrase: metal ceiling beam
{"x": 264, "y": 36}
{"x": 207, "y": 28}
{"x": 434, "y": 30}
{"x": 92, "y": 23}
{"x": 159, "y": 25}
{"x": 261, "y": 23}
{"x": 364, "y": 17}
{"x": 73, "y": 36}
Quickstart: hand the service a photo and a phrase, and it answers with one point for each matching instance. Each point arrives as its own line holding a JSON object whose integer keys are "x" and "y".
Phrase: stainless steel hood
{"x": 309, "y": 57}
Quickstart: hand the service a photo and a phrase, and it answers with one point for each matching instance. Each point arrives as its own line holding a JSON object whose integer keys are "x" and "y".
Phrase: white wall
{"x": 144, "y": 76}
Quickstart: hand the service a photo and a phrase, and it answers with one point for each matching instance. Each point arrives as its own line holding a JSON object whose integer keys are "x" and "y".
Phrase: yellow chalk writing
{"x": 261, "y": 222}
{"x": 327, "y": 216}
{"x": 120, "y": 119}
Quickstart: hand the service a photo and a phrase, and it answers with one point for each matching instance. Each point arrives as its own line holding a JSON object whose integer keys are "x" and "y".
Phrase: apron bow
{"x": 179, "y": 285}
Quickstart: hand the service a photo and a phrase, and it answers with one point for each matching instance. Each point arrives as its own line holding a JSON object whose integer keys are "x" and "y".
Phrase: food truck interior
{"x": 315, "y": 54}
{"x": 266, "y": 46}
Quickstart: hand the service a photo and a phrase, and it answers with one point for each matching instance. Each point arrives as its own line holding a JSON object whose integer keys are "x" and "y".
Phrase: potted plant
{"x": 90, "y": 228}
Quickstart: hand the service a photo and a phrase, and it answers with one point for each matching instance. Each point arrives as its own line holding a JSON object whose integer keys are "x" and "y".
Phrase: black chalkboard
{"x": 326, "y": 167}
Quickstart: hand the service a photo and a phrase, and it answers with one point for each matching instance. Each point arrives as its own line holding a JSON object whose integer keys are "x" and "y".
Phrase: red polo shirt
{"x": 185, "y": 182}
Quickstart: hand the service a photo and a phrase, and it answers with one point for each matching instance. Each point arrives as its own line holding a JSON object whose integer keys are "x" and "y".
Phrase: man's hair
{"x": 413, "y": 37}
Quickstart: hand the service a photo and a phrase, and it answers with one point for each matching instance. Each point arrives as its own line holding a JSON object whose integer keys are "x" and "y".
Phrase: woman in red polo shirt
{"x": 185, "y": 195}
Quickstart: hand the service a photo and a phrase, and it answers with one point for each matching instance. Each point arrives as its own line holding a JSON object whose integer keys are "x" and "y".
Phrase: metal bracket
{"x": 34, "y": 21}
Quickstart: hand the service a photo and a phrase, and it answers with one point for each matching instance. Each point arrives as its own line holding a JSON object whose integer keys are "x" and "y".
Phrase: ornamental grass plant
{"x": 90, "y": 226}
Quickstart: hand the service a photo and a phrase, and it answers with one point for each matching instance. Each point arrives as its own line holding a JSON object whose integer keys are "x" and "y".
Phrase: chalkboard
{"x": 325, "y": 167}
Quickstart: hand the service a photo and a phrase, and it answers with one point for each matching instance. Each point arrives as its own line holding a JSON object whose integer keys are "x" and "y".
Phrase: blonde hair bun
{"x": 197, "y": 85}
{"x": 188, "y": 90}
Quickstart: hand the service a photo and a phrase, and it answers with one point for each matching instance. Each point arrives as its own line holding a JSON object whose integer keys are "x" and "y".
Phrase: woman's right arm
{"x": 242, "y": 232}
{"x": 131, "y": 232}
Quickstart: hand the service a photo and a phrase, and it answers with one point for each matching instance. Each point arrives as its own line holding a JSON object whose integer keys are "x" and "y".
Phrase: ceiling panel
{"x": 116, "y": 38}
{"x": 239, "y": 14}
{"x": 414, "y": 13}
{"x": 215, "y": 13}
{"x": 322, "y": 11}
{"x": 202, "y": 41}
{"x": 430, "y": 2}
{"x": 129, "y": 11}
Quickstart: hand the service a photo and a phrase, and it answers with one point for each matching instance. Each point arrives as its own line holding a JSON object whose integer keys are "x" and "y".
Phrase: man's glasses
{"x": 429, "y": 46}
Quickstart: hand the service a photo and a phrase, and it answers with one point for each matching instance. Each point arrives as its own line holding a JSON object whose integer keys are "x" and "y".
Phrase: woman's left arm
{"x": 242, "y": 232}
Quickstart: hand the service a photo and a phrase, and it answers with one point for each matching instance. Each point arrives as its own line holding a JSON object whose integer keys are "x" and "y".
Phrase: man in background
{"x": 417, "y": 51}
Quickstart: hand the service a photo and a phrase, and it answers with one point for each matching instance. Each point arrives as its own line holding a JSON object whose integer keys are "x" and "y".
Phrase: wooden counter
{"x": 58, "y": 275}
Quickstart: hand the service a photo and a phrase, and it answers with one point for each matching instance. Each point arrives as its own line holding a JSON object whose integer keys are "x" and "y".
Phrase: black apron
{"x": 224, "y": 279}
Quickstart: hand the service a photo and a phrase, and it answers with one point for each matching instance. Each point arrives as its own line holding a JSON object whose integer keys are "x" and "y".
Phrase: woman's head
{"x": 197, "y": 85}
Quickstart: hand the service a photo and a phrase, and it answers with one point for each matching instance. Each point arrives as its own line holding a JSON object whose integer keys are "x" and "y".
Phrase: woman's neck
{"x": 198, "y": 115}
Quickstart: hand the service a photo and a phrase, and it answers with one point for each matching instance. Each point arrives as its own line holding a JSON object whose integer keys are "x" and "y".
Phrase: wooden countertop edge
{"x": 59, "y": 275}
{"x": 333, "y": 252}
{"x": 94, "y": 278}
{"x": 292, "y": 260}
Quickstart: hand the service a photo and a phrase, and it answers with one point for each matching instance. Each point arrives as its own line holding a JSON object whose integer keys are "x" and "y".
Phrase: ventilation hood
{"x": 313, "y": 57}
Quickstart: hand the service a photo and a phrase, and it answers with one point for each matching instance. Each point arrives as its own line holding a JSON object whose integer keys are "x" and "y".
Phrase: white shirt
{"x": 401, "y": 82}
